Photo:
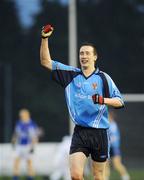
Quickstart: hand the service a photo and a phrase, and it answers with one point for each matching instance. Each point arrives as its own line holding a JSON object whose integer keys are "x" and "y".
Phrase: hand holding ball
{"x": 47, "y": 31}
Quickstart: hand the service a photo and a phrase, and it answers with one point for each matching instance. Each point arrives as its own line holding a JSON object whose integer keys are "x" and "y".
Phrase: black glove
{"x": 97, "y": 99}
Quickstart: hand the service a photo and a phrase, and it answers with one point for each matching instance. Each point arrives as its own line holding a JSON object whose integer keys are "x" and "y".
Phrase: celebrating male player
{"x": 87, "y": 104}
{"x": 24, "y": 139}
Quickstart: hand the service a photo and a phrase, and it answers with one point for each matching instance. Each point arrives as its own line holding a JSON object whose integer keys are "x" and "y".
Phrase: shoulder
{"x": 109, "y": 79}
{"x": 18, "y": 123}
{"x": 60, "y": 66}
{"x": 33, "y": 124}
{"x": 106, "y": 74}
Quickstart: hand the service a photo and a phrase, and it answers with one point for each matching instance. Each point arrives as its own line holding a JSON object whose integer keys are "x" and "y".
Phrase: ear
{"x": 95, "y": 57}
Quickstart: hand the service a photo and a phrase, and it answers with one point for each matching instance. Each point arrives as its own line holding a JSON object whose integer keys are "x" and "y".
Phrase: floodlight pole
{"x": 72, "y": 25}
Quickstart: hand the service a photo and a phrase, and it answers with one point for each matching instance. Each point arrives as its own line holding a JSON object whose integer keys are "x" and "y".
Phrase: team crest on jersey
{"x": 94, "y": 85}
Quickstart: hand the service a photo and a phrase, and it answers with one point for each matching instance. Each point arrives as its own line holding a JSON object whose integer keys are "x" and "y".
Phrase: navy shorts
{"x": 90, "y": 141}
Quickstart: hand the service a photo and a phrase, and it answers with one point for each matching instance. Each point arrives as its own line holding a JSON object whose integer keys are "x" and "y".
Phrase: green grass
{"x": 22, "y": 178}
{"x": 135, "y": 175}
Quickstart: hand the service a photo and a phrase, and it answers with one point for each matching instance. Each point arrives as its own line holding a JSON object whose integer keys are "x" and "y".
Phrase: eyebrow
{"x": 85, "y": 51}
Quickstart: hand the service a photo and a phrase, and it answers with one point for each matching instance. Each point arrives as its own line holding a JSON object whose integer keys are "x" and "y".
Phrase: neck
{"x": 88, "y": 70}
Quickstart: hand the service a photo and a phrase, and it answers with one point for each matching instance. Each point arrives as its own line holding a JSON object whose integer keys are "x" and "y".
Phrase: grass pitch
{"x": 136, "y": 174}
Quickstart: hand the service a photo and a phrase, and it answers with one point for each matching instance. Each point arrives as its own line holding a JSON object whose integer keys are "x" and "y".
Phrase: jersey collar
{"x": 96, "y": 71}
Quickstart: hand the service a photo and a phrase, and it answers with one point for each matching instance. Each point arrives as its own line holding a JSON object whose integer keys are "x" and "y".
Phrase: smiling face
{"x": 87, "y": 56}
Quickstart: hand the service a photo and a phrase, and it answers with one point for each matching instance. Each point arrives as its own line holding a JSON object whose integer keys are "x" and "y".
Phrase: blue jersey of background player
{"x": 114, "y": 136}
{"x": 25, "y": 131}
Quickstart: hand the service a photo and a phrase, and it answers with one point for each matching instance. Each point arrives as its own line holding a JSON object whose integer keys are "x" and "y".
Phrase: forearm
{"x": 45, "y": 57}
{"x": 115, "y": 102}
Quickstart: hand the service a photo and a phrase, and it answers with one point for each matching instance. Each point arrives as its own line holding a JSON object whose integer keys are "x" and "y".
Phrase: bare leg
{"x": 16, "y": 166}
{"x": 120, "y": 167}
{"x": 107, "y": 170}
{"x": 99, "y": 170}
{"x": 30, "y": 168}
{"x": 77, "y": 163}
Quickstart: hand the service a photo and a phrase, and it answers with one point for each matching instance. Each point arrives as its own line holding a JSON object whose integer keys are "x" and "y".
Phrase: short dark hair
{"x": 90, "y": 44}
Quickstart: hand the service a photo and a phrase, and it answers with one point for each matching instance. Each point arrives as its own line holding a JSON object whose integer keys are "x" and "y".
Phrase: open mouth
{"x": 84, "y": 61}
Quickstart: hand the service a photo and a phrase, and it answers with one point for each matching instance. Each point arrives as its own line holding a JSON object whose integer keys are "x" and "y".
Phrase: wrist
{"x": 44, "y": 38}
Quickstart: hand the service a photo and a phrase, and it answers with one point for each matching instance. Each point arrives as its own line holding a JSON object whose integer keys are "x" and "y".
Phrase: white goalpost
{"x": 133, "y": 97}
{"x": 72, "y": 26}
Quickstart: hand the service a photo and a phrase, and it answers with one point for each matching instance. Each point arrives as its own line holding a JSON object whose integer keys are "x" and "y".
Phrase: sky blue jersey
{"x": 114, "y": 135}
{"x": 78, "y": 92}
{"x": 25, "y": 132}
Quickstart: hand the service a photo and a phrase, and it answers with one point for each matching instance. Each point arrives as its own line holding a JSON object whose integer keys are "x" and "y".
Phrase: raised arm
{"x": 45, "y": 57}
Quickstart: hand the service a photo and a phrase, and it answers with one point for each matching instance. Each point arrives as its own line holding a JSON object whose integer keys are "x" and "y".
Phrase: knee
{"x": 76, "y": 176}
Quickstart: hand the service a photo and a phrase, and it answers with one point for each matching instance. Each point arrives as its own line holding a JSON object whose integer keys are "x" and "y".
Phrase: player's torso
{"x": 79, "y": 98}
{"x": 87, "y": 86}
{"x": 24, "y": 133}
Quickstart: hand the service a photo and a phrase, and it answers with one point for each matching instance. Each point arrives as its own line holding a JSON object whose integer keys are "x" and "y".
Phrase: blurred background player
{"x": 115, "y": 152}
{"x": 61, "y": 161}
{"x": 24, "y": 139}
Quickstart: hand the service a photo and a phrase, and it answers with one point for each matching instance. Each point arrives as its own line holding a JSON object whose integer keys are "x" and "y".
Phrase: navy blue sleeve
{"x": 63, "y": 74}
{"x": 63, "y": 77}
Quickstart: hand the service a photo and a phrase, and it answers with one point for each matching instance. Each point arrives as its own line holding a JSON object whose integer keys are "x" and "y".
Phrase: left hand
{"x": 97, "y": 99}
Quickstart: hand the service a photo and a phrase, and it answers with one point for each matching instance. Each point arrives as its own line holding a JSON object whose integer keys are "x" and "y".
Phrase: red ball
{"x": 48, "y": 28}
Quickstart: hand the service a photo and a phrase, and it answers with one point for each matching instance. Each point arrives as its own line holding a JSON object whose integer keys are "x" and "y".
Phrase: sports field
{"x": 135, "y": 175}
